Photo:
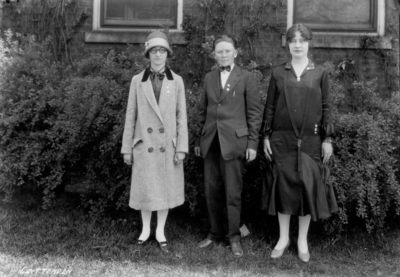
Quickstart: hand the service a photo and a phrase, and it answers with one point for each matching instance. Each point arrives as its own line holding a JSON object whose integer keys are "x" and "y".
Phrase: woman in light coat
{"x": 155, "y": 139}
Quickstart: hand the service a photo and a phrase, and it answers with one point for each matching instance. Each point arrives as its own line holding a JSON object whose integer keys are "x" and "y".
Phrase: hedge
{"x": 58, "y": 120}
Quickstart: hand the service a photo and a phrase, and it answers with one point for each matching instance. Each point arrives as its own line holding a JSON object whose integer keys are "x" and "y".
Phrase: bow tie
{"x": 227, "y": 68}
{"x": 159, "y": 75}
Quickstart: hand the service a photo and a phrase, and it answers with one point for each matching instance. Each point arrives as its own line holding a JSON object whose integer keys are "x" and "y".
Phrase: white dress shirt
{"x": 225, "y": 75}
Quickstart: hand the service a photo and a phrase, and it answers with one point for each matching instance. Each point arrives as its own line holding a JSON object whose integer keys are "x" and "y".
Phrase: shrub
{"x": 56, "y": 121}
{"x": 31, "y": 100}
{"x": 365, "y": 162}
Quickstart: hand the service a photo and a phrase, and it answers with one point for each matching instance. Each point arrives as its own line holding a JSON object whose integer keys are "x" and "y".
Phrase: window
{"x": 136, "y": 15}
{"x": 130, "y": 21}
{"x": 139, "y": 13}
{"x": 340, "y": 23}
{"x": 339, "y": 16}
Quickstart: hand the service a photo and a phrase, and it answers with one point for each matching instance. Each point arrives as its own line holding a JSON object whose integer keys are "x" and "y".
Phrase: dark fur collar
{"x": 167, "y": 72}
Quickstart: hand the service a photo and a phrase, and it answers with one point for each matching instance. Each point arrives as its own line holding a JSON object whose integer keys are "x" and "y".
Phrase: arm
{"x": 327, "y": 121}
{"x": 253, "y": 116}
{"x": 253, "y": 112}
{"x": 268, "y": 117}
{"x": 269, "y": 108}
{"x": 201, "y": 118}
{"x": 130, "y": 122}
{"x": 182, "y": 140}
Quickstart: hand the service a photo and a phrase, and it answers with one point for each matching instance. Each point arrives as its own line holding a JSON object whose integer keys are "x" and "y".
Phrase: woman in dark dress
{"x": 297, "y": 142}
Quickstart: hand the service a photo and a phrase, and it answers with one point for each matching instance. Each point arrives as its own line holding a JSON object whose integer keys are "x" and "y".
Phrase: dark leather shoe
{"x": 141, "y": 242}
{"x": 205, "y": 243}
{"x": 236, "y": 249}
{"x": 163, "y": 246}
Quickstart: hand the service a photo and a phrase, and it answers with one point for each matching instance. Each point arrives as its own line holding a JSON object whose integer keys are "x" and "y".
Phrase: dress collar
{"x": 148, "y": 71}
{"x": 310, "y": 66}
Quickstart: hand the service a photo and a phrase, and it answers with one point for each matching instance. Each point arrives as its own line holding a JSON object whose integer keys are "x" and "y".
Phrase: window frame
{"x": 96, "y": 25}
{"x": 344, "y": 39}
{"x": 380, "y": 21}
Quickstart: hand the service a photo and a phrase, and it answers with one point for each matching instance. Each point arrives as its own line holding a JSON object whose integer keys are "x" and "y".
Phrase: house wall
{"x": 268, "y": 46}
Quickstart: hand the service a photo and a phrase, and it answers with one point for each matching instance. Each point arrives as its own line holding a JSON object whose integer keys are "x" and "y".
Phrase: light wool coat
{"x": 153, "y": 134}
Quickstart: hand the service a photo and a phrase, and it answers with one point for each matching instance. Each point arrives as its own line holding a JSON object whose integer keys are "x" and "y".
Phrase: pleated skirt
{"x": 291, "y": 191}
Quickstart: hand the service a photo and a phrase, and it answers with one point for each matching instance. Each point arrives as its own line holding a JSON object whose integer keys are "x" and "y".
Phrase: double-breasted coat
{"x": 153, "y": 134}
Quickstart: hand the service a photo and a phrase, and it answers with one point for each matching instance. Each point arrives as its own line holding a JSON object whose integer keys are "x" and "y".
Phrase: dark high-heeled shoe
{"x": 141, "y": 242}
{"x": 163, "y": 246}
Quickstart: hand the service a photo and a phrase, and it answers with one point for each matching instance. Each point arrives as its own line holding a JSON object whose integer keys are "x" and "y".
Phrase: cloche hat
{"x": 156, "y": 39}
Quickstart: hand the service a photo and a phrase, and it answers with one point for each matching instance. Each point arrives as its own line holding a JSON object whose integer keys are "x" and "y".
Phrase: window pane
{"x": 337, "y": 15}
{"x": 139, "y": 13}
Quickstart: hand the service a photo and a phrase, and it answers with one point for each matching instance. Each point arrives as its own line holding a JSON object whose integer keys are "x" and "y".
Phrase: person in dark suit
{"x": 230, "y": 118}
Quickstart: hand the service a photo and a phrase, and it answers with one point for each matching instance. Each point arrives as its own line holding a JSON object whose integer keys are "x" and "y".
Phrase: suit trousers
{"x": 223, "y": 189}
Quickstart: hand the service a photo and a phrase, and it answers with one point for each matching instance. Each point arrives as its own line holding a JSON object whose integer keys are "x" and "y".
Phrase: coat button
{"x": 219, "y": 104}
{"x": 151, "y": 149}
{"x": 162, "y": 149}
{"x": 161, "y": 130}
{"x": 149, "y": 130}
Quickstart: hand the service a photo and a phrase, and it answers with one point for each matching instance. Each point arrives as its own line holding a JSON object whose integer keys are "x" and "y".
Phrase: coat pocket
{"x": 242, "y": 132}
{"x": 174, "y": 142}
{"x": 136, "y": 141}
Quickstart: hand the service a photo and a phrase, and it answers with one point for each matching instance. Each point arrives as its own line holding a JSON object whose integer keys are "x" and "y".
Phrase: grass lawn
{"x": 65, "y": 242}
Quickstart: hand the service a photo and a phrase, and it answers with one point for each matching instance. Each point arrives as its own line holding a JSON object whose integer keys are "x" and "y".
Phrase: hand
{"x": 128, "y": 159}
{"x": 327, "y": 151}
{"x": 179, "y": 157}
{"x": 250, "y": 154}
{"x": 267, "y": 149}
{"x": 197, "y": 151}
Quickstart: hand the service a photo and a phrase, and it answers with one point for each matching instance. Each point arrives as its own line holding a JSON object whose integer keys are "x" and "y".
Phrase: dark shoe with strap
{"x": 205, "y": 243}
{"x": 141, "y": 242}
{"x": 236, "y": 249}
{"x": 163, "y": 246}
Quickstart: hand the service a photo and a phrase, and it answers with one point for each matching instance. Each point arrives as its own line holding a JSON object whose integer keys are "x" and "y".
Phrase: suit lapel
{"x": 216, "y": 82}
{"x": 232, "y": 81}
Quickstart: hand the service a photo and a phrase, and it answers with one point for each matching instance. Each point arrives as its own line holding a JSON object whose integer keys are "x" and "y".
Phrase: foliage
{"x": 57, "y": 120}
{"x": 54, "y": 121}
{"x": 31, "y": 100}
{"x": 246, "y": 21}
{"x": 366, "y": 162}
{"x": 56, "y": 21}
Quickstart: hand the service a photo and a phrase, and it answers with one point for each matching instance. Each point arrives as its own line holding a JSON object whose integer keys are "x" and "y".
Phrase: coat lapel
{"x": 216, "y": 82}
{"x": 232, "y": 81}
{"x": 147, "y": 89}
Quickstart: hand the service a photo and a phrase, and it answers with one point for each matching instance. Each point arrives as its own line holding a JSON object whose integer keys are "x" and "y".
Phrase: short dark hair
{"x": 226, "y": 38}
{"x": 304, "y": 30}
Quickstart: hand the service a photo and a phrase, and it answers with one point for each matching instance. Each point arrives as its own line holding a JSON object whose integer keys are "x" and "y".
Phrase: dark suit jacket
{"x": 236, "y": 113}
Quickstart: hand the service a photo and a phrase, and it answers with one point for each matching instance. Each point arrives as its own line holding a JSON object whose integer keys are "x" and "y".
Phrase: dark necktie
{"x": 159, "y": 75}
{"x": 227, "y": 68}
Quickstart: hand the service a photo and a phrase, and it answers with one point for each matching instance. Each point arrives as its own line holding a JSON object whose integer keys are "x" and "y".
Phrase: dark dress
{"x": 297, "y": 118}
